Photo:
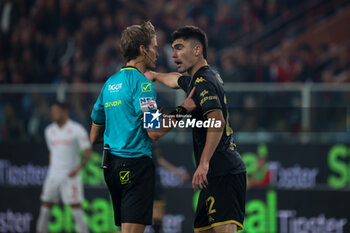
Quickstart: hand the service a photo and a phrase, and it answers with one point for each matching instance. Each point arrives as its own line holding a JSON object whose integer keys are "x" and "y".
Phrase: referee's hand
{"x": 199, "y": 180}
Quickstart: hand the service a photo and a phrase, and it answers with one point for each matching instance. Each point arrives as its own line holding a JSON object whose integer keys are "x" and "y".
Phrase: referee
{"x": 221, "y": 173}
{"x": 117, "y": 123}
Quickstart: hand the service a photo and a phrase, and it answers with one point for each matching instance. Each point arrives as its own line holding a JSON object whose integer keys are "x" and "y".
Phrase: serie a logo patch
{"x": 148, "y": 104}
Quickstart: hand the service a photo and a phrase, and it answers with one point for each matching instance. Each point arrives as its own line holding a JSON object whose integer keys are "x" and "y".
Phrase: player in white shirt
{"x": 64, "y": 138}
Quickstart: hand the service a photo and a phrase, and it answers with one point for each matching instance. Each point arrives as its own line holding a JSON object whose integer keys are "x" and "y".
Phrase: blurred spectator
{"x": 53, "y": 33}
{"x": 224, "y": 25}
{"x": 46, "y": 16}
{"x": 65, "y": 76}
{"x": 228, "y": 67}
{"x": 13, "y": 128}
{"x": 164, "y": 61}
{"x": 262, "y": 67}
{"x": 9, "y": 15}
{"x": 39, "y": 116}
{"x": 304, "y": 63}
{"x": 271, "y": 11}
{"x": 249, "y": 19}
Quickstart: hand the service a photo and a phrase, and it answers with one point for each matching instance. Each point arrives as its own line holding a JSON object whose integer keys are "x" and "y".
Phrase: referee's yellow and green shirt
{"x": 120, "y": 106}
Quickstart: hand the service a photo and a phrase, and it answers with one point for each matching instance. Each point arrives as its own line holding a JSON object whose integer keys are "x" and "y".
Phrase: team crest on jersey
{"x": 147, "y": 104}
{"x": 199, "y": 80}
{"x": 114, "y": 87}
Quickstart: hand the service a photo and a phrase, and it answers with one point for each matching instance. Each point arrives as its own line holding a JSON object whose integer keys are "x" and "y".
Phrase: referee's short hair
{"x": 192, "y": 32}
{"x": 133, "y": 37}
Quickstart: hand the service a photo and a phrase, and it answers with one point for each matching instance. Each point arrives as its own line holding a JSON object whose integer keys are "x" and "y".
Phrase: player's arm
{"x": 86, "y": 158}
{"x": 169, "y": 79}
{"x": 96, "y": 133}
{"x": 188, "y": 104}
{"x": 84, "y": 144}
{"x": 170, "y": 167}
{"x": 212, "y": 141}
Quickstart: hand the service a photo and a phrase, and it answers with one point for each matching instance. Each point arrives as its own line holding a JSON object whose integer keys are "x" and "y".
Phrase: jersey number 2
{"x": 210, "y": 201}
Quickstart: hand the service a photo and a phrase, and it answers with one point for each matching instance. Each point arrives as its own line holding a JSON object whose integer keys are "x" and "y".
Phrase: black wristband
{"x": 179, "y": 112}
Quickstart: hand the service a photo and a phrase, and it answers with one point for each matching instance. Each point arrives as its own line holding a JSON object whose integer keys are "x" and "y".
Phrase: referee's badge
{"x": 124, "y": 177}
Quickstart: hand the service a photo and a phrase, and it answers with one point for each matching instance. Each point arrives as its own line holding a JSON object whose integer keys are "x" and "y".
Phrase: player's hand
{"x": 151, "y": 75}
{"x": 200, "y": 180}
{"x": 74, "y": 172}
{"x": 189, "y": 103}
{"x": 183, "y": 175}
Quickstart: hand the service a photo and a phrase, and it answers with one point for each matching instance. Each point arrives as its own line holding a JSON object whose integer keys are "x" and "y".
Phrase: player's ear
{"x": 197, "y": 50}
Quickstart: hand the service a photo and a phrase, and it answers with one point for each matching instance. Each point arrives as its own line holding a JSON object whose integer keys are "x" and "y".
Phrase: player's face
{"x": 151, "y": 54}
{"x": 183, "y": 55}
{"x": 57, "y": 114}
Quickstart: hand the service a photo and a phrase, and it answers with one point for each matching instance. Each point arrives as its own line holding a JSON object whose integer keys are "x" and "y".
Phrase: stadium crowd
{"x": 68, "y": 41}
{"x": 50, "y": 41}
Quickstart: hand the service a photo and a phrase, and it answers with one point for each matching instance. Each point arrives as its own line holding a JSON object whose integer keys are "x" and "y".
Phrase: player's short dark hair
{"x": 192, "y": 32}
{"x": 61, "y": 104}
{"x": 133, "y": 37}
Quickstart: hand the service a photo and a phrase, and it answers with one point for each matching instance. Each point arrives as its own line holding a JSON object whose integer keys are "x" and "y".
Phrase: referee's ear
{"x": 142, "y": 50}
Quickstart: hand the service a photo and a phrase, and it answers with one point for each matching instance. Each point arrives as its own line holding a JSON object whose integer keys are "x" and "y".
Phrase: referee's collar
{"x": 128, "y": 67}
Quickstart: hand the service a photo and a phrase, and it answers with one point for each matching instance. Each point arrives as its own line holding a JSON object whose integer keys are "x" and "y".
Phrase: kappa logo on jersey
{"x": 203, "y": 93}
{"x": 147, "y": 104}
{"x": 114, "y": 87}
{"x": 199, "y": 80}
{"x": 151, "y": 120}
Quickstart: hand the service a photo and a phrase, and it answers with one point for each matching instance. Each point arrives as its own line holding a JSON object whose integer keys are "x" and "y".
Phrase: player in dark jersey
{"x": 221, "y": 173}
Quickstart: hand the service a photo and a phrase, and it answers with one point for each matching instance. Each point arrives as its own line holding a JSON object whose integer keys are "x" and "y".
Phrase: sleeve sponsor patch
{"x": 148, "y": 104}
{"x": 208, "y": 98}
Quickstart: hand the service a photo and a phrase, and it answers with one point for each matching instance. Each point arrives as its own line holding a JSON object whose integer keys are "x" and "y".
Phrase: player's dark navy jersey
{"x": 209, "y": 96}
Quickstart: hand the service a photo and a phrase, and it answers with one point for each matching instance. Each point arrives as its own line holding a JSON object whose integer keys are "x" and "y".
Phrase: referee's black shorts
{"x": 131, "y": 185}
{"x": 222, "y": 202}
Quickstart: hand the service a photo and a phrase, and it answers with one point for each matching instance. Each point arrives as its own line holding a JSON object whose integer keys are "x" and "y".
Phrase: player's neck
{"x": 197, "y": 66}
{"x": 62, "y": 122}
{"x": 140, "y": 65}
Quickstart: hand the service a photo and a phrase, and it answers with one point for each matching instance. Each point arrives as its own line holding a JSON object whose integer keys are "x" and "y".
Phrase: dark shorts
{"x": 131, "y": 185}
{"x": 222, "y": 202}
